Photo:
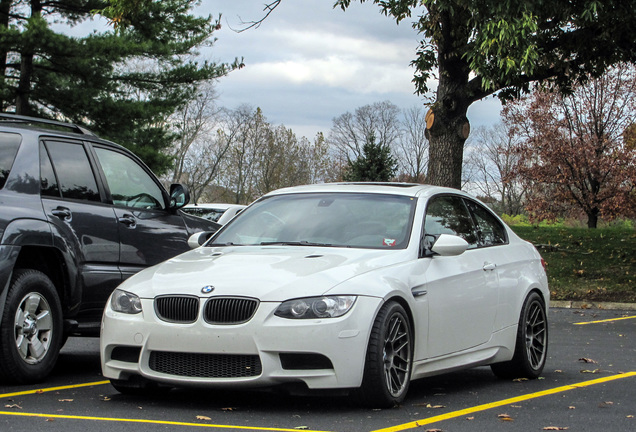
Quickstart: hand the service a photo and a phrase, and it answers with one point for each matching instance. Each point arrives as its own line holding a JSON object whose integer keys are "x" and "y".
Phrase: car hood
{"x": 269, "y": 273}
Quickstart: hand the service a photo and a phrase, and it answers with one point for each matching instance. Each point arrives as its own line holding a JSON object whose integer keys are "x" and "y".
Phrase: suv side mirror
{"x": 179, "y": 196}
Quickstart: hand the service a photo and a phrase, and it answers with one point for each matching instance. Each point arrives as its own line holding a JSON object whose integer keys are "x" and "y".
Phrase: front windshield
{"x": 325, "y": 219}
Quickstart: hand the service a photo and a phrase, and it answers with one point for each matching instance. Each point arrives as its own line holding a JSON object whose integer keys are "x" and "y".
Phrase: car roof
{"x": 392, "y": 188}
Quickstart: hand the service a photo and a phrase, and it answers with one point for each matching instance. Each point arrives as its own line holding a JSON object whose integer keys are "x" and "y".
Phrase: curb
{"x": 592, "y": 305}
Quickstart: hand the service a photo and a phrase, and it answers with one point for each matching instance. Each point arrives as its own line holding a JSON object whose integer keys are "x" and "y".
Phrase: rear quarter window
{"x": 9, "y": 145}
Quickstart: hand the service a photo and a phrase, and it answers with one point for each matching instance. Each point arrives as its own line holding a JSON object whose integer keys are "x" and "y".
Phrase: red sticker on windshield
{"x": 388, "y": 242}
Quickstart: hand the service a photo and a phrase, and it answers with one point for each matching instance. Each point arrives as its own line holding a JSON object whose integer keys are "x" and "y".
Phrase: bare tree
{"x": 246, "y": 133}
{"x": 412, "y": 146}
{"x": 492, "y": 159}
{"x": 192, "y": 123}
{"x": 350, "y": 132}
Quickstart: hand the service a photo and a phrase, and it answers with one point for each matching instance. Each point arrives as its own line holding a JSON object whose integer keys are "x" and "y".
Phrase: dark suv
{"x": 78, "y": 215}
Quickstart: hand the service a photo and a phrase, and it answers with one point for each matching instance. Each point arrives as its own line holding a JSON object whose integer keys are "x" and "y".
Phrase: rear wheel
{"x": 387, "y": 369}
{"x": 31, "y": 329}
{"x": 531, "y": 345}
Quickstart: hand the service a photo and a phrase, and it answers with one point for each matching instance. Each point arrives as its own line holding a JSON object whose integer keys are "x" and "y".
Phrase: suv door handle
{"x": 62, "y": 213}
{"x": 127, "y": 220}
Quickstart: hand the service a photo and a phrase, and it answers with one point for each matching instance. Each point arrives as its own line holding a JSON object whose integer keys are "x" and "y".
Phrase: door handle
{"x": 62, "y": 213}
{"x": 489, "y": 266}
{"x": 127, "y": 220}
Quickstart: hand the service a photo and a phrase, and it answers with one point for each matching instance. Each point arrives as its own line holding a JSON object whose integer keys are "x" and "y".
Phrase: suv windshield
{"x": 324, "y": 219}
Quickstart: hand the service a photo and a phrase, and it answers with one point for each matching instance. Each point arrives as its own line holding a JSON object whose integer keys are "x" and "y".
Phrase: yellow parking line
{"x": 158, "y": 422}
{"x": 510, "y": 401}
{"x": 605, "y": 320}
{"x": 50, "y": 389}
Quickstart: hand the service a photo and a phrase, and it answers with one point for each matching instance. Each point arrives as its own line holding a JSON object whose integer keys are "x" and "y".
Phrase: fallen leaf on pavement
{"x": 227, "y": 409}
{"x": 301, "y": 427}
{"x": 65, "y": 400}
{"x": 434, "y": 406}
{"x": 470, "y": 418}
{"x": 13, "y": 406}
{"x": 519, "y": 379}
{"x": 505, "y": 417}
{"x": 587, "y": 360}
{"x": 555, "y": 428}
{"x": 200, "y": 417}
{"x": 595, "y": 371}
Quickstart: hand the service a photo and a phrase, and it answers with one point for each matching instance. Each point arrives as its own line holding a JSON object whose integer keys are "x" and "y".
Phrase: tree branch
{"x": 268, "y": 9}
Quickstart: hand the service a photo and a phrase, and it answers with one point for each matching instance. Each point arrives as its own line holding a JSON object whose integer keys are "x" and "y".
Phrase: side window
{"x": 48, "y": 182}
{"x": 491, "y": 231}
{"x": 74, "y": 173}
{"x": 449, "y": 215}
{"x": 129, "y": 184}
{"x": 9, "y": 145}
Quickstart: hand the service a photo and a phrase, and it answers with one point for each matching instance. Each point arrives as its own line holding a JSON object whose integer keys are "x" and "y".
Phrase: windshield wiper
{"x": 223, "y": 244}
{"x": 294, "y": 243}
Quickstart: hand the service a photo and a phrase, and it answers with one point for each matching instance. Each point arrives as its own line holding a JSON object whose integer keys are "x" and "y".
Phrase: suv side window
{"x": 48, "y": 182}
{"x": 449, "y": 215}
{"x": 73, "y": 171}
{"x": 129, "y": 184}
{"x": 491, "y": 231}
{"x": 9, "y": 145}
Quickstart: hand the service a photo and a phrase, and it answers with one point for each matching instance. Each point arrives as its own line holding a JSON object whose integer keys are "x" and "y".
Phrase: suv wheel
{"x": 31, "y": 328}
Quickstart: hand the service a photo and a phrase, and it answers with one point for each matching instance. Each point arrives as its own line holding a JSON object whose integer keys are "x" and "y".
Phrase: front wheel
{"x": 388, "y": 363}
{"x": 31, "y": 329}
{"x": 531, "y": 346}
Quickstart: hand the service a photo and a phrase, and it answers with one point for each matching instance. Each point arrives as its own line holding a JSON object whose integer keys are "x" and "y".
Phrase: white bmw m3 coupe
{"x": 356, "y": 286}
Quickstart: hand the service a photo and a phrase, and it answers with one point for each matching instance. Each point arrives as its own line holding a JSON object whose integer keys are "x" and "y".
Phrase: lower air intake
{"x": 205, "y": 365}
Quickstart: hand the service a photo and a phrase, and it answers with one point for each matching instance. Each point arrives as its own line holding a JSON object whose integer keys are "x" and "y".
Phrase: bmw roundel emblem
{"x": 207, "y": 289}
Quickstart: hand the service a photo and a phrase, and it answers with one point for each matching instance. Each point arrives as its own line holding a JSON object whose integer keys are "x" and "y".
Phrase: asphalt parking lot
{"x": 589, "y": 384}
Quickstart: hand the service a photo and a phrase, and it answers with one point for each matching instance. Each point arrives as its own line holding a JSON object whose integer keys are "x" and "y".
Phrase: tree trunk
{"x": 446, "y": 150}
{"x": 592, "y": 218}
{"x": 5, "y": 7}
{"x": 448, "y": 128}
{"x": 22, "y": 102}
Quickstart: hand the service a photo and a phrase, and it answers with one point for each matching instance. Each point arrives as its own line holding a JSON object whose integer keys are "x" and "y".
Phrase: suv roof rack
{"x": 51, "y": 124}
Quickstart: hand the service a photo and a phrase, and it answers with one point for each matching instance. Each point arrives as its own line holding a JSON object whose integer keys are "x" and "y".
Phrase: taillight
{"x": 544, "y": 264}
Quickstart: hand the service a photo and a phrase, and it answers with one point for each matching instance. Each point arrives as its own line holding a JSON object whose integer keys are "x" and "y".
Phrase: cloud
{"x": 308, "y": 63}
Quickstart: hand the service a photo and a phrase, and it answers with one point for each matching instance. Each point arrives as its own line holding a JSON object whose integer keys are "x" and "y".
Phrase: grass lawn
{"x": 587, "y": 264}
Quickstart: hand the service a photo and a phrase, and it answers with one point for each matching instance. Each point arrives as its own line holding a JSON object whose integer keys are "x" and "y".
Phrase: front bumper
{"x": 322, "y": 353}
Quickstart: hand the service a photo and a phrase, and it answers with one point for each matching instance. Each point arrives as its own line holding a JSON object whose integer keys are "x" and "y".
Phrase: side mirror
{"x": 197, "y": 239}
{"x": 179, "y": 196}
{"x": 449, "y": 245}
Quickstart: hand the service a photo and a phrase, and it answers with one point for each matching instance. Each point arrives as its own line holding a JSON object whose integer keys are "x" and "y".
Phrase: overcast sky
{"x": 308, "y": 63}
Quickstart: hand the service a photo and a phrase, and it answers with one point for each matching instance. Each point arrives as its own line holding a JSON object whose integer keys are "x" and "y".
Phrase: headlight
{"x": 316, "y": 307}
{"x": 125, "y": 302}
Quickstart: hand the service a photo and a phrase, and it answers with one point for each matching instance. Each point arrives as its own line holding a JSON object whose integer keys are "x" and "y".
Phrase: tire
{"x": 389, "y": 359}
{"x": 31, "y": 331}
{"x": 531, "y": 346}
